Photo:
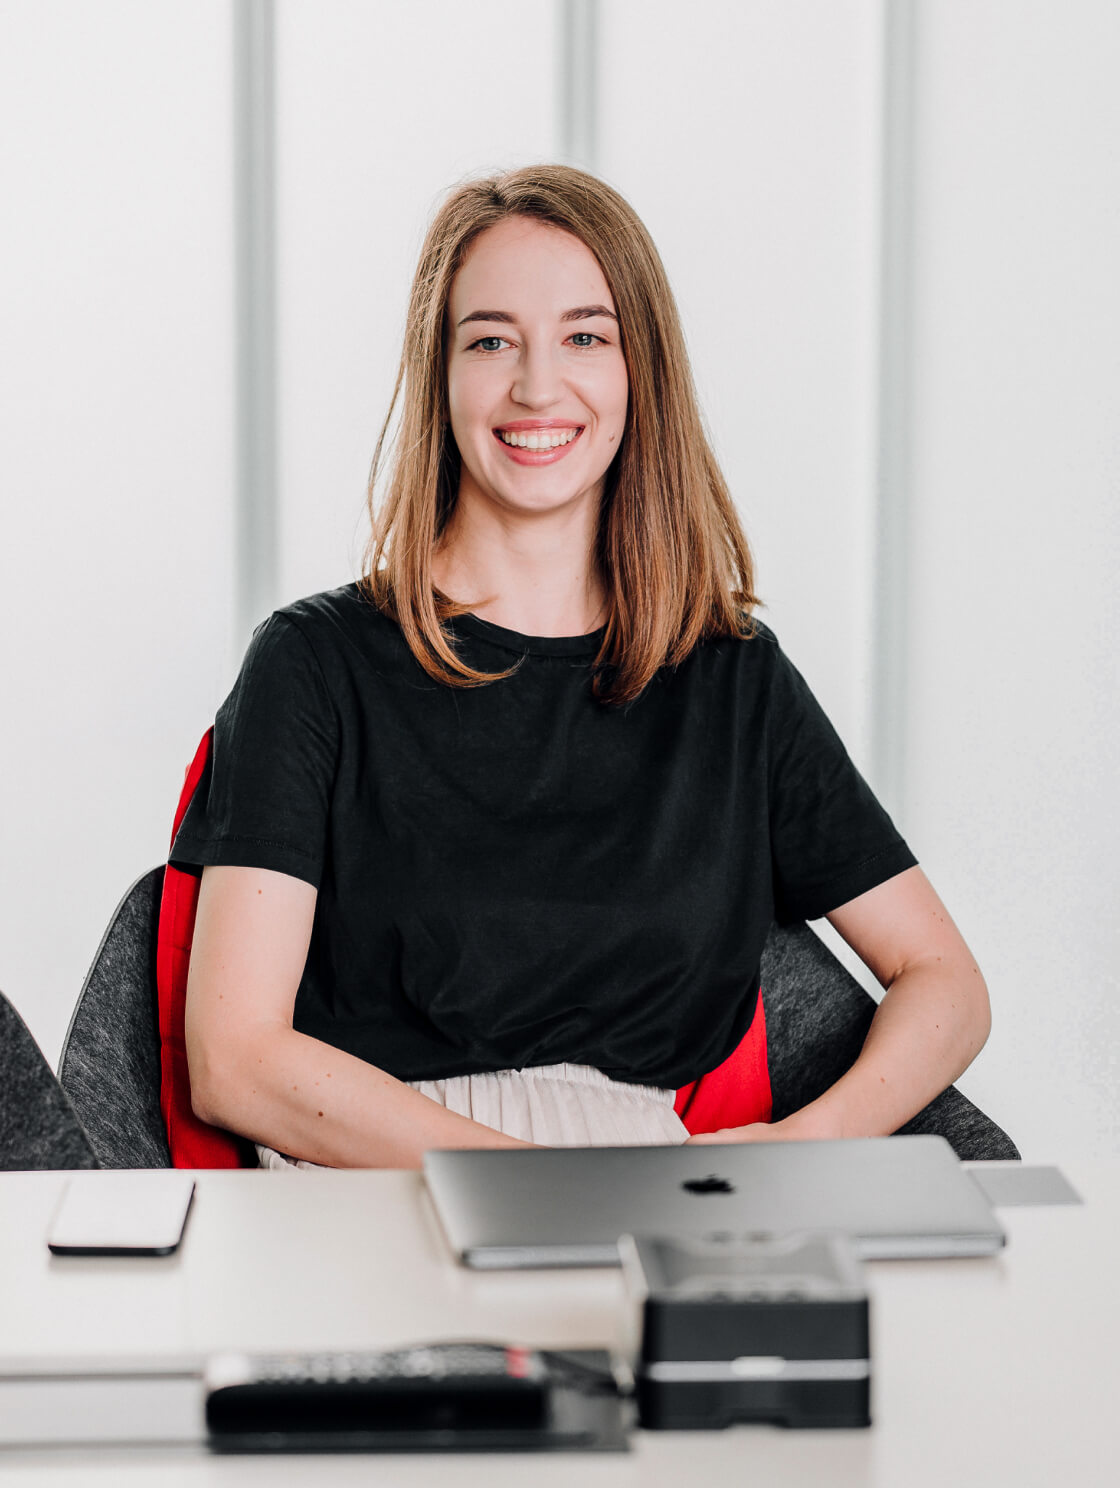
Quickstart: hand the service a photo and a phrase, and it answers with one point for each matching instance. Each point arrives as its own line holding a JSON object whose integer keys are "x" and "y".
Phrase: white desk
{"x": 989, "y": 1372}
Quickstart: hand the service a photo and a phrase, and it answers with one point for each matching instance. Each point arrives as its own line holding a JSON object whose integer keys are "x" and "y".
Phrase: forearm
{"x": 252, "y": 1073}
{"x": 309, "y": 1100}
{"x": 931, "y": 1024}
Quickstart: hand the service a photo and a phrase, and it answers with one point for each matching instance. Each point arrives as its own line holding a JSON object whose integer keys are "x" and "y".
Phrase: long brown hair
{"x": 673, "y": 558}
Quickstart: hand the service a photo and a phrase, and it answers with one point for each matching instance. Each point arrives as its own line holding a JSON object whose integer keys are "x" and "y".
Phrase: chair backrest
{"x": 110, "y": 1064}
{"x": 817, "y": 1017}
{"x": 38, "y": 1126}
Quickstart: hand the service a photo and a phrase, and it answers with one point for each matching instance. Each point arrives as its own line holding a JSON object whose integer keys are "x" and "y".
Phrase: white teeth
{"x": 545, "y": 440}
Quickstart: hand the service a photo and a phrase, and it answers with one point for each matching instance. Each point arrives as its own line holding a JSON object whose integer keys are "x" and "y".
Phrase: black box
{"x": 749, "y": 1328}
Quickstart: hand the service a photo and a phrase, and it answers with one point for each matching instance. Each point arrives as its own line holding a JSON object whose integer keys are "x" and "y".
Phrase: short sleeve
{"x": 264, "y": 798}
{"x": 830, "y": 838}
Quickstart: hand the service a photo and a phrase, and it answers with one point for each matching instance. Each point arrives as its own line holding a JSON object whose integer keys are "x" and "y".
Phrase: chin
{"x": 536, "y": 506}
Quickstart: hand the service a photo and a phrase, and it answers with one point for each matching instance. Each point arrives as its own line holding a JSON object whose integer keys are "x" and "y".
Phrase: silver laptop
{"x": 896, "y": 1196}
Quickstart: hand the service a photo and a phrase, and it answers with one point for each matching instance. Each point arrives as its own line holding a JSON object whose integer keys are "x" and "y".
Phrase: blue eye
{"x": 585, "y": 338}
{"x": 480, "y": 344}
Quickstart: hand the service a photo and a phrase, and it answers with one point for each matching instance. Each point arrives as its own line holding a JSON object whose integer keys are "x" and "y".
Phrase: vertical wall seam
{"x": 254, "y": 216}
{"x": 888, "y": 725}
{"x": 577, "y": 82}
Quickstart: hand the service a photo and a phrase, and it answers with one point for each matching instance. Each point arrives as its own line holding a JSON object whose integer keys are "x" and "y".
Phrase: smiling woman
{"x": 492, "y": 841}
{"x": 541, "y": 303}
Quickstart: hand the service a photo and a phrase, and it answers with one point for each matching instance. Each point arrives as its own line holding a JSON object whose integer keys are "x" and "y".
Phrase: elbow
{"x": 212, "y": 1082}
{"x": 980, "y": 1023}
{"x": 985, "y": 1023}
{"x": 204, "y": 1106}
{"x": 232, "y": 1074}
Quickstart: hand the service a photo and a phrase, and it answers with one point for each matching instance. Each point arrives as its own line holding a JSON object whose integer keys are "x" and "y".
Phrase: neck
{"x": 533, "y": 574}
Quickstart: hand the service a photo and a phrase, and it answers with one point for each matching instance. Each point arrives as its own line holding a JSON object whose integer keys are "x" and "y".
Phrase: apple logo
{"x": 709, "y": 1185}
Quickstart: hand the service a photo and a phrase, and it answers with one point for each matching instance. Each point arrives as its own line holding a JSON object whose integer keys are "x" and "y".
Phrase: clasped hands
{"x": 800, "y": 1127}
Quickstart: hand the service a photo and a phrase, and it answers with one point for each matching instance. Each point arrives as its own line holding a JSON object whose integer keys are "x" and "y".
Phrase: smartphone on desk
{"x": 127, "y": 1212}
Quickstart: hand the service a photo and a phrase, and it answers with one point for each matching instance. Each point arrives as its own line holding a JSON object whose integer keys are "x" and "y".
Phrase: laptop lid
{"x": 896, "y": 1197}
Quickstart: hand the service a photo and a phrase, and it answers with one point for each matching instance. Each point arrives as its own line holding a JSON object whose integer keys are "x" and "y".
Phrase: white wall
{"x": 1013, "y": 793}
{"x": 116, "y": 381}
{"x": 748, "y": 134}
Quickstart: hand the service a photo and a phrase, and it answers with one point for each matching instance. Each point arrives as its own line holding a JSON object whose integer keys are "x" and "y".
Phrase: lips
{"x": 528, "y": 426}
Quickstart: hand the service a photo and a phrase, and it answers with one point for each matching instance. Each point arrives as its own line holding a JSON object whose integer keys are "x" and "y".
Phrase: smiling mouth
{"x": 541, "y": 441}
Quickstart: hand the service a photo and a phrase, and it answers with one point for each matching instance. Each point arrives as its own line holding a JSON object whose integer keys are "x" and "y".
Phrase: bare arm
{"x": 927, "y": 1030}
{"x": 252, "y": 1073}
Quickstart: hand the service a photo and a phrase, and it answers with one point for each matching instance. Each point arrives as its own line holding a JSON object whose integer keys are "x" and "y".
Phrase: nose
{"x": 536, "y": 382}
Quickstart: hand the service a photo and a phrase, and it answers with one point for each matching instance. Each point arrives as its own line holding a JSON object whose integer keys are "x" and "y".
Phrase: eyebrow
{"x": 582, "y": 312}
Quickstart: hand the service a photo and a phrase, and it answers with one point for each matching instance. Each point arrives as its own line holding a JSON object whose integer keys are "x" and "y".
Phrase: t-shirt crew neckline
{"x": 520, "y": 645}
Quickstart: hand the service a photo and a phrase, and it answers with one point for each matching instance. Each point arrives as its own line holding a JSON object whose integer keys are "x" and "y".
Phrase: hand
{"x": 757, "y": 1131}
{"x": 803, "y": 1126}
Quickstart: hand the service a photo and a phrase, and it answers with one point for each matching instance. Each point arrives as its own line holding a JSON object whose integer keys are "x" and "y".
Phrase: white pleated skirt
{"x": 553, "y": 1105}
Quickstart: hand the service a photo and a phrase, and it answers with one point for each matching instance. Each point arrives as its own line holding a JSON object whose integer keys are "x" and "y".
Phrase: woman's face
{"x": 536, "y": 379}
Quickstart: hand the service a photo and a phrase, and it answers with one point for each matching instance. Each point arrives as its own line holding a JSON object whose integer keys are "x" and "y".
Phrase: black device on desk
{"x": 748, "y": 1328}
{"x": 450, "y": 1397}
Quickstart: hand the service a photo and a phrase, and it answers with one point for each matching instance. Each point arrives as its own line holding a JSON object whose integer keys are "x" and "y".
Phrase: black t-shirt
{"x": 516, "y": 874}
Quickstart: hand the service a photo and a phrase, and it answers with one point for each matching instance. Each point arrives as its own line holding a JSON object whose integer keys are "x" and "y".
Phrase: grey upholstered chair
{"x": 817, "y": 1016}
{"x": 38, "y": 1126}
{"x": 110, "y": 1064}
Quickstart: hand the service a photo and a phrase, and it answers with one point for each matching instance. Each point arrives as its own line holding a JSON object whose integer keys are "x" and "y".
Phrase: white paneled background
{"x": 979, "y": 403}
{"x": 116, "y": 457}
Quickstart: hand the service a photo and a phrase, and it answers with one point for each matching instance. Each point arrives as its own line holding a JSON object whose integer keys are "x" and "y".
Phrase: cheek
{"x": 465, "y": 399}
{"x": 607, "y": 391}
